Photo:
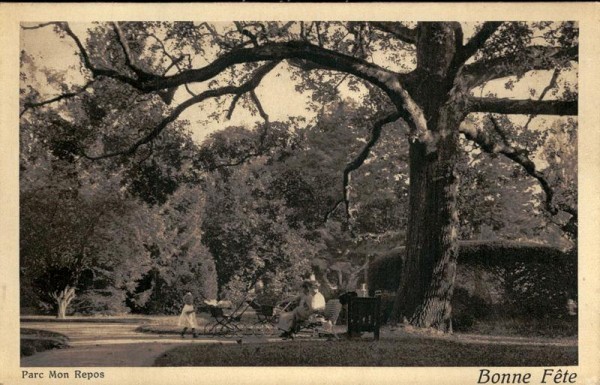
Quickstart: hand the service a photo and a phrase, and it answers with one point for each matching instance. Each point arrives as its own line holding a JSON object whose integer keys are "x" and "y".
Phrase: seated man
{"x": 311, "y": 301}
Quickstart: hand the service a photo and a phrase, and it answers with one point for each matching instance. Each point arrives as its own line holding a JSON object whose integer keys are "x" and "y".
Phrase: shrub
{"x": 539, "y": 290}
{"x": 33, "y": 341}
{"x": 385, "y": 269}
{"x": 467, "y": 308}
{"x": 27, "y": 349}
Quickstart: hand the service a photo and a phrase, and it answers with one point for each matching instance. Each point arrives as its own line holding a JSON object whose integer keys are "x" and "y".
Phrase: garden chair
{"x": 225, "y": 324}
{"x": 267, "y": 317}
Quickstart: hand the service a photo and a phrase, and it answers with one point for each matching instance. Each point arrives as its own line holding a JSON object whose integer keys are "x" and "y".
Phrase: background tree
{"x": 247, "y": 225}
{"x": 68, "y": 218}
{"x": 300, "y": 177}
{"x": 95, "y": 232}
{"x": 178, "y": 261}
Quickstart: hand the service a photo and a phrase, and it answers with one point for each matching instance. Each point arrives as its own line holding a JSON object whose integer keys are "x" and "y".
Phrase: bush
{"x": 33, "y": 341}
{"x": 467, "y": 308}
{"x": 27, "y": 349}
{"x": 387, "y": 305}
{"x": 539, "y": 290}
{"x": 384, "y": 270}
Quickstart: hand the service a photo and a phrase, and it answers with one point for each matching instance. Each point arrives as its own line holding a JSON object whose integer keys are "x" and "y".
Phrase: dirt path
{"x": 105, "y": 344}
{"x": 124, "y": 354}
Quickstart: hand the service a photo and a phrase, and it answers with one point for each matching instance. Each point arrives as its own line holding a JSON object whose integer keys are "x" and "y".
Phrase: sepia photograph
{"x": 292, "y": 193}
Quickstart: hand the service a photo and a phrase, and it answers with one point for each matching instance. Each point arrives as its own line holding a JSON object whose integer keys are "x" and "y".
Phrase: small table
{"x": 363, "y": 315}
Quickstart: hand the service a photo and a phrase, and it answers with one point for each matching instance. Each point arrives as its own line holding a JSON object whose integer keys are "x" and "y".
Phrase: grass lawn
{"x": 553, "y": 328}
{"x": 389, "y": 352}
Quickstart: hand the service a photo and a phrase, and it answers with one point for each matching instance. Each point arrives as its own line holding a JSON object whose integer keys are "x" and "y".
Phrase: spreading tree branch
{"x": 477, "y": 41}
{"x": 38, "y": 26}
{"x": 97, "y": 71}
{"x": 318, "y": 30}
{"x": 550, "y": 86}
{"x": 323, "y": 57}
{"x": 68, "y": 95}
{"x": 261, "y": 142}
{"x": 174, "y": 61}
{"x": 246, "y": 33}
{"x": 407, "y": 35}
{"x": 489, "y": 144}
{"x": 259, "y": 106}
{"x": 67, "y": 294}
{"x": 333, "y": 209}
{"x": 125, "y": 47}
{"x": 525, "y": 107}
{"x": 531, "y": 58}
{"x": 263, "y": 115}
{"x": 359, "y": 161}
{"x": 246, "y": 87}
{"x": 389, "y": 81}
{"x": 232, "y": 106}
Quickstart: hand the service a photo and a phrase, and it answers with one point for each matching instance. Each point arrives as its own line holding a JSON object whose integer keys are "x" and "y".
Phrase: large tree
{"x": 427, "y": 74}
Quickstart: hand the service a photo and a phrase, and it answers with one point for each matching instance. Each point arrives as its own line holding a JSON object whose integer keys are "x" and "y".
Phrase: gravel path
{"x": 109, "y": 344}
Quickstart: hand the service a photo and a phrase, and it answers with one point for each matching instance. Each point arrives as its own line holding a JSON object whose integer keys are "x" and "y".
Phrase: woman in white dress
{"x": 311, "y": 301}
{"x": 188, "y": 315}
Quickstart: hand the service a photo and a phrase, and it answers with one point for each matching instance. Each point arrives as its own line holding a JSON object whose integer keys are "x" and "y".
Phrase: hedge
{"x": 385, "y": 269}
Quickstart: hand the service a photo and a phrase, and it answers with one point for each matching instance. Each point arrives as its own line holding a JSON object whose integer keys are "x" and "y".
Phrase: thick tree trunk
{"x": 438, "y": 254}
{"x": 63, "y": 299}
{"x": 427, "y": 277}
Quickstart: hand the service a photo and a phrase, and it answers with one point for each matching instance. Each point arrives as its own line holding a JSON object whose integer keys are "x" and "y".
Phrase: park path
{"x": 106, "y": 344}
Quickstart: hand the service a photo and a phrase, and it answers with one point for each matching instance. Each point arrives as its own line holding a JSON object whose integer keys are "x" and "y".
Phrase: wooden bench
{"x": 363, "y": 316}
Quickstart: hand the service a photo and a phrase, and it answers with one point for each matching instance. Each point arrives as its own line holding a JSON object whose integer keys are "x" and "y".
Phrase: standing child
{"x": 188, "y": 315}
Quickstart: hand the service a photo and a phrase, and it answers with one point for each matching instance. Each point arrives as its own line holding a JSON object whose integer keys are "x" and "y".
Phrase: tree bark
{"x": 427, "y": 277}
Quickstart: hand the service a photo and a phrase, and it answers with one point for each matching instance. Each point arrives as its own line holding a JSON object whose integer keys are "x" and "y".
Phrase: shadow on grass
{"x": 35, "y": 341}
{"x": 390, "y": 352}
